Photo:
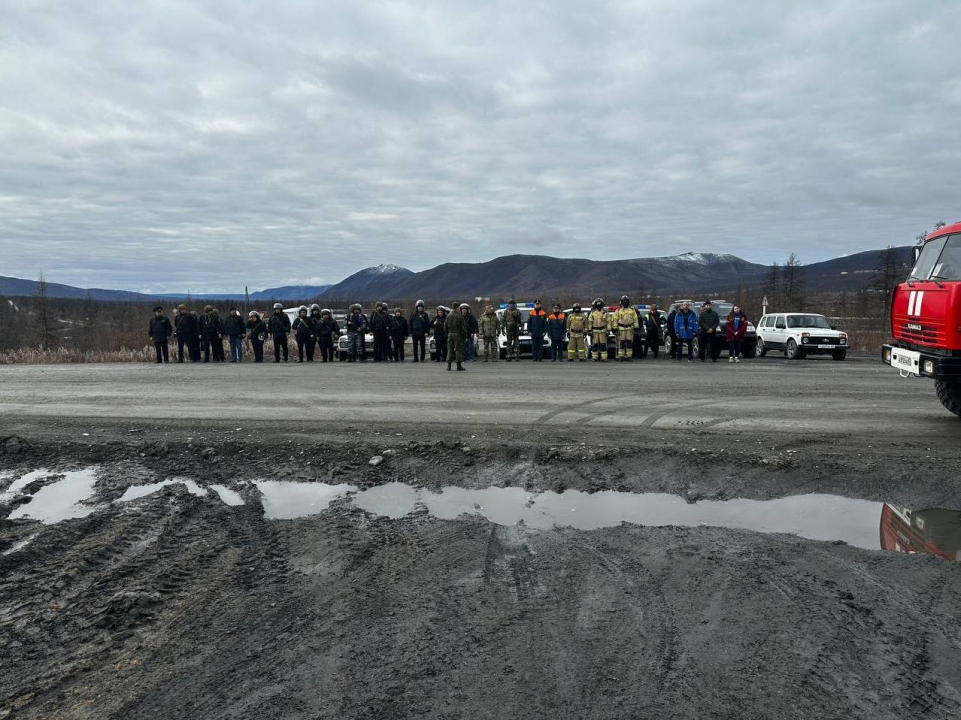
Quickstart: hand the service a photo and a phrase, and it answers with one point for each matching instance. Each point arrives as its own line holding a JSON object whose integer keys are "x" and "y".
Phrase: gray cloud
{"x": 175, "y": 146}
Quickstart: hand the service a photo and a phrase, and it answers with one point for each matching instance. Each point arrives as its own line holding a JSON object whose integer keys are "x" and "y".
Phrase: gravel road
{"x": 535, "y": 541}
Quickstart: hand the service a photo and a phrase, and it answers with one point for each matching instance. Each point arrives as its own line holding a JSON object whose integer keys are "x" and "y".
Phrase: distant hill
{"x": 851, "y": 272}
{"x": 526, "y": 276}
{"x": 373, "y": 283}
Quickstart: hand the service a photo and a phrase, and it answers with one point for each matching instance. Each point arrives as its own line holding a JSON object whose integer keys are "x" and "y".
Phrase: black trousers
{"x": 163, "y": 352}
{"x": 185, "y": 348}
{"x": 305, "y": 348}
{"x": 258, "y": 350}
{"x": 280, "y": 346}
{"x": 326, "y": 343}
{"x": 674, "y": 347}
{"x": 680, "y": 348}
{"x": 397, "y": 347}
{"x": 380, "y": 345}
{"x": 215, "y": 344}
{"x": 440, "y": 348}
{"x": 419, "y": 341}
{"x": 639, "y": 348}
{"x": 651, "y": 342}
{"x": 708, "y": 346}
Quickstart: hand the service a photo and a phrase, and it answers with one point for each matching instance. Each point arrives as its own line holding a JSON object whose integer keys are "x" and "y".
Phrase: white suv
{"x": 800, "y": 334}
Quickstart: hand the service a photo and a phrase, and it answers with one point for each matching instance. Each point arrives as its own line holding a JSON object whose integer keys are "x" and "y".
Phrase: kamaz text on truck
{"x": 926, "y": 318}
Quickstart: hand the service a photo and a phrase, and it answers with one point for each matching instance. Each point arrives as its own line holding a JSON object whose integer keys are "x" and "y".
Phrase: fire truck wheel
{"x": 792, "y": 351}
{"x": 949, "y": 393}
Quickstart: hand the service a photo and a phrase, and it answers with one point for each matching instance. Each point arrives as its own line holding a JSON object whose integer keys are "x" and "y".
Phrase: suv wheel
{"x": 761, "y": 347}
{"x": 792, "y": 351}
{"x": 839, "y": 355}
{"x": 696, "y": 346}
{"x": 669, "y": 345}
{"x": 949, "y": 393}
{"x": 749, "y": 351}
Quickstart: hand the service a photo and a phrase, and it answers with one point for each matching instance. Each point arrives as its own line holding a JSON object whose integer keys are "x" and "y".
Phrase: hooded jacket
{"x": 736, "y": 335}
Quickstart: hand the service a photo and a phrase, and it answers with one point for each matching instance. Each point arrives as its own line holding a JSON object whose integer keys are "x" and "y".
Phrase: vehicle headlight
{"x": 885, "y": 355}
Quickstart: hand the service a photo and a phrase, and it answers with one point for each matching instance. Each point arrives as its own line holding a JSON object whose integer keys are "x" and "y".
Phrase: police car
{"x": 524, "y": 344}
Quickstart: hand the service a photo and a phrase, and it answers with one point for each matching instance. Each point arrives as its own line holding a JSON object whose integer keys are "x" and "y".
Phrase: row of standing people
{"x": 683, "y": 325}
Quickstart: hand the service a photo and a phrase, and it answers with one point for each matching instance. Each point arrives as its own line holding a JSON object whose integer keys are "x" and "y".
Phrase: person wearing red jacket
{"x": 736, "y": 327}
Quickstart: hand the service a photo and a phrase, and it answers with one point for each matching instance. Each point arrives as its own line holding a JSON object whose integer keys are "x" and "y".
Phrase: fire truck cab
{"x": 926, "y": 318}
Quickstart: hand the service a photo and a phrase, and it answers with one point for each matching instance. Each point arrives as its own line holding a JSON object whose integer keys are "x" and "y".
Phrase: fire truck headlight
{"x": 929, "y": 367}
{"x": 886, "y": 355}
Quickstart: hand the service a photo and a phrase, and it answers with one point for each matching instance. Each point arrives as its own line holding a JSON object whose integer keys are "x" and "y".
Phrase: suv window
{"x": 780, "y": 322}
{"x": 808, "y": 321}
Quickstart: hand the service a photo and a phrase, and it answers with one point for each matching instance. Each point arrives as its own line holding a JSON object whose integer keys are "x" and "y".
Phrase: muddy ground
{"x": 176, "y": 605}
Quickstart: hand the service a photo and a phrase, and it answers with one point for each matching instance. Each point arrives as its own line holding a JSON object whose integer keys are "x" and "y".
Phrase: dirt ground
{"x": 178, "y": 605}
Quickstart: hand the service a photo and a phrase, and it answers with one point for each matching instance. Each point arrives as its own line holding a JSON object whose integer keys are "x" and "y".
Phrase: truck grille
{"x": 925, "y": 334}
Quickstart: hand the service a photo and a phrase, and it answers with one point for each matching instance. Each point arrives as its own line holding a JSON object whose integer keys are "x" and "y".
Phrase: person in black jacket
{"x": 312, "y": 340}
{"x": 380, "y": 329}
{"x": 398, "y": 335}
{"x": 257, "y": 332}
{"x": 473, "y": 327}
{"x": 440, "y": 334}
{"x": 303, "y": 333}
{"x": 212, "y": 335}
{"x": 279, "y": 327}
{"x": 652, "y": 324}
{"x": 328, "y": 332}
{"x": 236, "y": 331}
{"x": 160, "y": 331}
{"x": 671, "y": 332}
{"x": 185, "y": 329}
{"x": 419, "y": 326}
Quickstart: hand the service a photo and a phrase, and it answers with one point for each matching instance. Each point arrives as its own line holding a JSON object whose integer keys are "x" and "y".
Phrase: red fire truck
{"x": 926, "y": 318}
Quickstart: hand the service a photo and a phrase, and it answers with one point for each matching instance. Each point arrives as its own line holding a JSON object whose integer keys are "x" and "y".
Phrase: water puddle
{"x": 21, "y": 482}
{"x": 284, "y": 500}
{"x": 138, "y": 491}
{"x": 61, "y": 500}
{"x": 227, "y": 496}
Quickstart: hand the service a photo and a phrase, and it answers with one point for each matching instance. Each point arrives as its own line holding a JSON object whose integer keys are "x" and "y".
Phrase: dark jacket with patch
{"x": 327, "y": 329}
{"x": 160, "y": 328}
{"x": 303, "y": 326}
{"x": 257, "y": 329}
{"x": 279, "y": 324}
{"x": 419, "y": 324}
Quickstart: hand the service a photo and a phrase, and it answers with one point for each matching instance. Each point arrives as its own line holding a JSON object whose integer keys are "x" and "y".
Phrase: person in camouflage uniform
{"x": 600, "y": 323}
{"x": 624, "y": 322}
{"x": 513, "y": 322}
{"x": 457, "y": 331}
{"x": 577, "y": 329}
{"x": 489, "y": 328}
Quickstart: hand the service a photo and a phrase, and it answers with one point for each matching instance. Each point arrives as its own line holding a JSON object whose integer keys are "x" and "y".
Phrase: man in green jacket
{"x": 513, "y": 323}
{"x": 708, "y": 322}
{"x": 457, "y": 332}
{"x": 490, "y": 328}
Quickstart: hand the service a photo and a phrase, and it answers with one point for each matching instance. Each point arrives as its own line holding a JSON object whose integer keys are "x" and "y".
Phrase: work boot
{"x": 449, "y": 364}
{"x": 460, "y": 367}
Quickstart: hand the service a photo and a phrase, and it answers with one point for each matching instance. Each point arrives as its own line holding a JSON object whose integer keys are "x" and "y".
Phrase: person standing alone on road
{"x": 685, "y": 328}
{"x": 708, "y": 322}
{"x": 456, "y": 327}
{"x": 489, "y": 328}
{"x": 186, "y": 332}
{"x": 235, "y": 331}
{"x": 556, "y": 329}
{"x": 279, "y": 326}
{"x": 439, "y": 326}
{"x": 537, "y": 328}
{"x": 419, "y": 326}
{"x": 576, "y": 334}
{"x": 160, "y": 331}
{"x": 257, "y": 332}
{"x": 736, "y": 327}
{"x": 513, "y": 322}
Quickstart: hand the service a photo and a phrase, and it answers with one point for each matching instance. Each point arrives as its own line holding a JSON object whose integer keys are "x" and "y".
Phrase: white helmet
{"x": 315, "y": 306}
{"x": 302, "y": 308}
{"x": 278, "y": 306}
{"x": 253, "y": 314}
{"x": 326, "y": 310}
{"x": 419, "y": 303}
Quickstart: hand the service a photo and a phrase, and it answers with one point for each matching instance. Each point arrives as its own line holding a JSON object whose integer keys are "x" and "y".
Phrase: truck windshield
{"x": 939, "y": 260}
{"x": 808, "y": 321}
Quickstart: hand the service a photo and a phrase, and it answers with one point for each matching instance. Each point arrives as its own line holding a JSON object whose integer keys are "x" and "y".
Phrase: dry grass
{"x": 40, "y": 356}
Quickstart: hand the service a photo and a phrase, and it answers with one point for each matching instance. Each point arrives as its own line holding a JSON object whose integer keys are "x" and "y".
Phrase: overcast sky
{"x": 202, "y": 146}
